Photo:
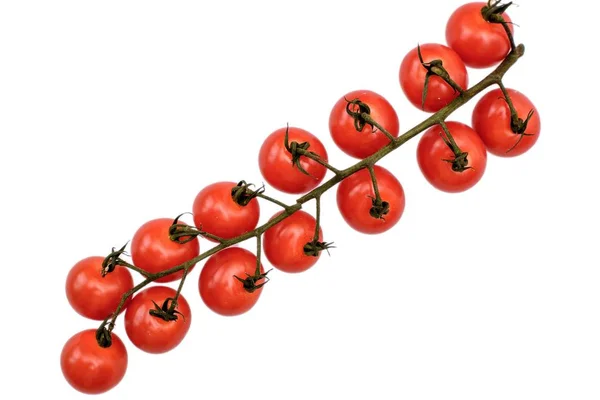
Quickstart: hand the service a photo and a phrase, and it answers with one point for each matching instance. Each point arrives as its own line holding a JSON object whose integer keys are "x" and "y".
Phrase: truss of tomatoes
{"x": 155, "y": 323}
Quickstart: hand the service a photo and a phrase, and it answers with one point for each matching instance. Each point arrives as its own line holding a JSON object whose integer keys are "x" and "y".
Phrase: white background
{"x": 116, "y": 112}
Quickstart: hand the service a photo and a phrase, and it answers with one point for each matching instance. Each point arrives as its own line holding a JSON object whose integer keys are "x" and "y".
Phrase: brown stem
{"x": 493, "y": 78}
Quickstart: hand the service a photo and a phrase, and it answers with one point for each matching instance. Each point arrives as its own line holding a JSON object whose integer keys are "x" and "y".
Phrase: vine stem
{"x": 494, "y": 78}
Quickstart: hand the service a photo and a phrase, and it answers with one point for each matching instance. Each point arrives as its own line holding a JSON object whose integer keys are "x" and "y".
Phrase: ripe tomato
{"x": 283, "y": 244}
{"x": 154, "y": 334}
{"x": 439, "y": 93}
{"x": 363, "y": 143}
{"x": 220, "y": 290}
{"x": 355, "y": 198}
{"x": 216, "y": 212}
{"x": 492, "y": 122}
{"x": 435, "y": 157}
{"x": 92, "y": 295}
{"x": 92, "y": 369}
{"x": 153, "y": 250}
{"x": 479, "y": 43}
{"x": 276, "y": 165}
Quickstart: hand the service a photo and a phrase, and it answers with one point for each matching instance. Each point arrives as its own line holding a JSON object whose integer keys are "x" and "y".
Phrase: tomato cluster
{"x": 452, "y": 157}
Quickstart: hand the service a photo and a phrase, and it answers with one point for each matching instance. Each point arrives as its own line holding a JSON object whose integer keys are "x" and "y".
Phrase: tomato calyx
{"x": 103, "y": 333}
{"x": 250, "y": 283}
{"x": 379, "y": 208}
{"x": 519, "y": 126}
{"x": 242, "y": 194}
{"x": 297, "y": 150}
{"x": 315, "y": 247}
{"x": 111, "y": 261}
{"x": 183, "y": 233}
{"x": 493, "y": 10}
{"x": 358, "y": 113}
{"x": 167, "y": 311}
{"x": 435, "y": 68}
{"x": 460, "y": 162}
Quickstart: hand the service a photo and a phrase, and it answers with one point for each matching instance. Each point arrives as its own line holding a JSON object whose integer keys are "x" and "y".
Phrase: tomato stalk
{"x": 297, "y": 150}
{"x": 379, "y": 208}
{"x": 493, "y": 11}
{"x": 251, "y": 282}
{"x": 440, "y": 116}
{"x": 315, "y": 246}
{"x": 517, "y": 124}
{"x": 114, "y": 258}
{"x": 362, "y": 117}
{"x": 460, "y": 161}
{"x": 183, "y": 233}
{"x": 435, "y": 68}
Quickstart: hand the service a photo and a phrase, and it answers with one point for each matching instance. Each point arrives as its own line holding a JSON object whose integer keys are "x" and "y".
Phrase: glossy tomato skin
{"x": 439, "y": 93}
{"x": 480, "y": 44}
{"x": 217, "y": 213}
{"x": 219, "y": 290}
{"x": 492, "y": 122}
{"x": 432, "y": 151}
{"x": 153, "y": 334}
{"x": 92, "y": 369}
{"x": 275, "y": 162}
{"x": 153, "y": 250}
{"x": 283, "y": 244}
{"x": 368, "y": 141}
{"x": 355, "y": 195}
{"x": 92, "y": 295}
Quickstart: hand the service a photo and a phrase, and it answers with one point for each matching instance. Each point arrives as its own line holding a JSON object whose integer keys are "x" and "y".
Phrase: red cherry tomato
{"x": 153, "y": 250}
{"x": 154, "y": 334}
{"x": 355, "y": 196}
{"x": 479, "y": 43}
{"x": 492, "y": 122}
{"x": 433, "y": 156}
{"x": 275, "y": 162}
{"x": 92, "y": 369}
{"x": 92, "y": 295}
{"x": 439, "y": 93}
{"x": 220, "y": 290}
{"x": 363, "y": 143}
{"x": 283, "y": 244}
{"x": 216, "y": 212}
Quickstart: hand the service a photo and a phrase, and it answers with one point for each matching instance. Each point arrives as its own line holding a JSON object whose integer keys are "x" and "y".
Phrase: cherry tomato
{"x": 343, "y": 127}
{"x": 220, "y": 290}
{"x": 356, "y": 197}
{"x": 439, "y": 93}
{"x": 92, "y": 295}
{"x": 92, "y": 369}
{"x": 216, "y": 212}
{"x": 156, "y": 334}
{"x": 435, "y": 158}
{"x": 479, "y": 43}
{"x": 153, "y": 250}
{"x": 283, "y": 244}
{"x": 276, "y": 165}
{"x": 492, "y": 122}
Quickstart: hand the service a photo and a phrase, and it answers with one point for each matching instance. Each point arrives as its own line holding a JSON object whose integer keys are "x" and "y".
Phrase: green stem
{"x": 315, "y": 157}
{"x": 317, "y": 218}
{"x": 272, "y": 200}
{"x": 369, "y": 120}
{"x": 514, "y": 116}
{"x": 374, "y": 182}
{"x": 133, "y": 268}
